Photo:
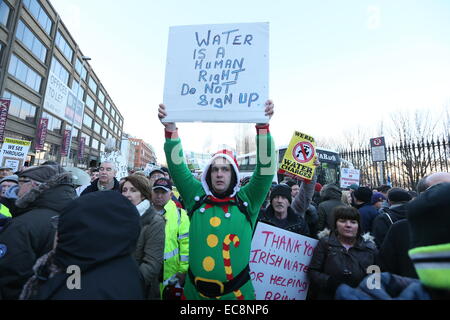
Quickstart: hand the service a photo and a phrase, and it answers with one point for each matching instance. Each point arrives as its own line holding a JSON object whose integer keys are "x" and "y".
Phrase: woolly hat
{"x": 41, "y": 173}
{"x": 317, "y": 187}
{"x": 398, "y": 195}
{"x": 363, "y": 194}
{"x": 12, "y": 178}
{"x": 281, "y": 190}
{"x": 231, "y": 158}
{"x": 377, "y": 197}
{"x": 429, "y": 222}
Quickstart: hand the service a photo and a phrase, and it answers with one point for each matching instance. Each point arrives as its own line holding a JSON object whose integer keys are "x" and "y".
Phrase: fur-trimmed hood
{"x": 366, "y": 237}
{"x": 52, "y": 194}
{"x": 204, "y": 178}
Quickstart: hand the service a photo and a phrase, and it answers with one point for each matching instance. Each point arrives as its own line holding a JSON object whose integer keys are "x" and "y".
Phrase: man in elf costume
{"x": 222, "y": 215}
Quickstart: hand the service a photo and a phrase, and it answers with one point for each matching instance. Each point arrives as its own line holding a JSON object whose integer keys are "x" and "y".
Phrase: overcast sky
{"x": 334, "y": 65}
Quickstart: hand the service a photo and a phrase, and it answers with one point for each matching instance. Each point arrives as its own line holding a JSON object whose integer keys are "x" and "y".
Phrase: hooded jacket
{"x": 220, "y": 234}
{"x": 331, "y": 198}
{"x": 332, "y": 261}
{"x": 31, "y": 235}
{"x": 99, "y": 239}
{"x": 385, "y": 219}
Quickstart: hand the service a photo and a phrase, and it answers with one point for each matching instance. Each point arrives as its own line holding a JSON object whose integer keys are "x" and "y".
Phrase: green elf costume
{"x": 221, "y": 227}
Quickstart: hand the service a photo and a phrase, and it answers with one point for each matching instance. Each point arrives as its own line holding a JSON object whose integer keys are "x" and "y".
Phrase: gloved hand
{"x": 335, "y": 281}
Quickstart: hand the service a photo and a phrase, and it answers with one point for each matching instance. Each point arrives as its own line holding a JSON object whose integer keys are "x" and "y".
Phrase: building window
{"x": 95, "y": 143}
{"x": 65, "y": 48}
{"x": 80, "y": 69}
{"x": 104, "y": 133}
{"x": 75, "y": 134}
{"x": 75, "y": 87}
{"x": 93, "y": 85}
{"x": 58, "y": 69}
{"x": 97, "y": 127}
{"x": 101, "y": 96}
{"x": 4, "y": 13}
{"x": 20, "y": 108}
{"x": 24, "y": 73}
{"x": 2, "y": 46}
{"x": 87, "y": 121}
{"x": 27, "y": 37}
{"x": 39, "y": 13}
{"x": 99, "y": 112}
{"x": 87, "y": 138}
{"x": 90, "y": 103}
{"x": 102, "y": 147}
{"x": 108, "y": 106}
{"x": 54, "y": 124}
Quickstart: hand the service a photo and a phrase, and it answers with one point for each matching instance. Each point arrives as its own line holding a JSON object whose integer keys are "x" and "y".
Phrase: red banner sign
{"x": 41, "y": 134}
{"x": 65, "y": 142}
{"x": 81, "y": 144}
{"x": 4, "y": 109}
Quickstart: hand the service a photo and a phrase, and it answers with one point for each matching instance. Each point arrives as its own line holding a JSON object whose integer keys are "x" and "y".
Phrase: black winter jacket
{"x": 332, "y": 260}
{"x": 295, "y": 222}
{"x": 331, "y": 198}
{"x": 97, "y": 233}
{"x": 385, "y": 219}
{"x": 94, "y": 187}
{"x": 393, "y": 256}
{"x": 31, "y": 235}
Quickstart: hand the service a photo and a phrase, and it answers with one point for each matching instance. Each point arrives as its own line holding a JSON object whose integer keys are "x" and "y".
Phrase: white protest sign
{"x": 14, "y": 153}
{"x": 279, "y": 262}
{"x": 217, "y": 73}
{"x": 60, "y": 100}
{"x": 349, "y": 177}
{"x": 119, "y": 161}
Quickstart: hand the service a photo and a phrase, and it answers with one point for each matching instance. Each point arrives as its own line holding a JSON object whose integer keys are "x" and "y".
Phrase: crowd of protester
{"x": 154, "y": 236}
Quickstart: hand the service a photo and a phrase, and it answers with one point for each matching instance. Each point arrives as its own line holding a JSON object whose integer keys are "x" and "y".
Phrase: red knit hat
{"x": 229, "y": 155}
{"x": 318, "y": 187}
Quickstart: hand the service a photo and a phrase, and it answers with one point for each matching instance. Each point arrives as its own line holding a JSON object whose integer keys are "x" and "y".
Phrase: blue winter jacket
{"x": 392, "y": 287}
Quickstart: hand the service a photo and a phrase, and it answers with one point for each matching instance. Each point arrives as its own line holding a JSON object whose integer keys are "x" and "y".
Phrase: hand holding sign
{"x": 172, "y": 126}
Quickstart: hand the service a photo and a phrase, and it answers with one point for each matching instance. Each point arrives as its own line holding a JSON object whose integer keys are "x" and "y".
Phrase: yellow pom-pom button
{"x": 208, "y": 264}
{"x": 212, "y": 240}
{"x": 215, "y": 221}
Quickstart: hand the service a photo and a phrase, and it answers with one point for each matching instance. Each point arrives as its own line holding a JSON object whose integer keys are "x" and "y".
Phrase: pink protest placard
{"x": 279, "y": 262}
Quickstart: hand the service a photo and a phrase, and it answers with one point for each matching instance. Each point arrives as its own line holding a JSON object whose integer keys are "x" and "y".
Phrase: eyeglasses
{"x": 54, "y": 221}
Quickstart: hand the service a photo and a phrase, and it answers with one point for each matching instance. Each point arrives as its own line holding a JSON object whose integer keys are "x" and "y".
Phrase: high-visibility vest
{"x": 5, "y": 211}
{"x": 176, "y": 248}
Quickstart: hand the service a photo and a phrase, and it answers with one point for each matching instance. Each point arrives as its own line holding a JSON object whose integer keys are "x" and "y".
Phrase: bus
{"x": 329, "y": 169}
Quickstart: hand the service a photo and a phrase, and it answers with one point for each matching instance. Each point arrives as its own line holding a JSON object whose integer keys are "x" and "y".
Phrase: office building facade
{"x": 38, "y": 56}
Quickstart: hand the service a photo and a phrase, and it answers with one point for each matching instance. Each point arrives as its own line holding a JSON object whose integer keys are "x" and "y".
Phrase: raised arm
{"x": 266, "y": 165}
{"x": 179, "y": 171}
{"x": 301, "y": 202}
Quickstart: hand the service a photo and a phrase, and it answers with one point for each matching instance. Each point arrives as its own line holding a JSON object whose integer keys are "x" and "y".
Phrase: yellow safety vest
{"x": 5, "y": 211}
{"x": 176, "y": 248}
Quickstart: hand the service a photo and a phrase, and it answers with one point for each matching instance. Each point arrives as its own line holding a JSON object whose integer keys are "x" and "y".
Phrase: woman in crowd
{"x": 150, "y": 246}
{"x": 341, "y": 256}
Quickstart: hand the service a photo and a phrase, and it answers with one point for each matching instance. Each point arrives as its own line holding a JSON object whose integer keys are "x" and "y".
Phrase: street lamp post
{"x": 83, "y": 59}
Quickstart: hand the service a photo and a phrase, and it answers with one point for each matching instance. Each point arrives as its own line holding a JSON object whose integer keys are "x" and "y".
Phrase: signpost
{"x": 378, "y": 150}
